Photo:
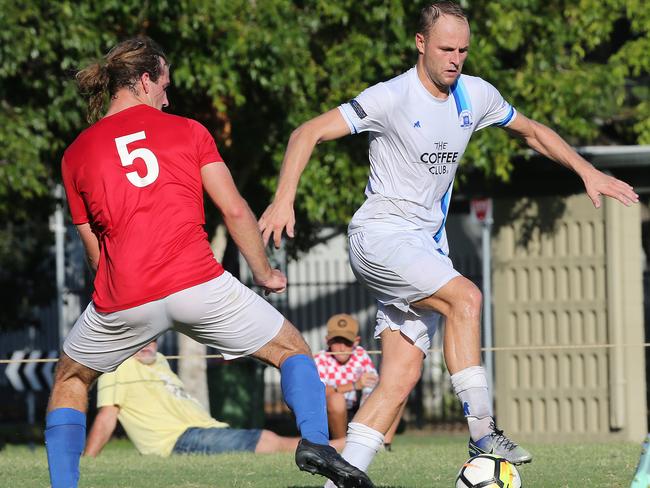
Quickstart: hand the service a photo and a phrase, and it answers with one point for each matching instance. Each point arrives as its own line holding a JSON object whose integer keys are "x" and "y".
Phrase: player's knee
{"x": 295, "y": 342}
{"x": 468, "y": 303}
{"x": 288, "y": 342}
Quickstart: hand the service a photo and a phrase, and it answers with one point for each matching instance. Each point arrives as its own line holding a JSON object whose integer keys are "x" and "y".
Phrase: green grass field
{"x": 417, "y": 461}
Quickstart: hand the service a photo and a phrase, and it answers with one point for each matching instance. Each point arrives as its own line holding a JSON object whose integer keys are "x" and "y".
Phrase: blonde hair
{"x": 120, "y": 68}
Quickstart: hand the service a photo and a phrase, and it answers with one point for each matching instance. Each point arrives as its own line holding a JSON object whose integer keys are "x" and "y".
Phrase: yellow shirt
{"x": 154, "y": 408}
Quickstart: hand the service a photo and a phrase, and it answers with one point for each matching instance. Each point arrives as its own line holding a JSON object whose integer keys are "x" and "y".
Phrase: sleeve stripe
{"x": 507, "y": 118}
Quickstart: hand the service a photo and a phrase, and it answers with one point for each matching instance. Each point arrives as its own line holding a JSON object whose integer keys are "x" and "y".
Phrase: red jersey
{"x": 135, "y": 176}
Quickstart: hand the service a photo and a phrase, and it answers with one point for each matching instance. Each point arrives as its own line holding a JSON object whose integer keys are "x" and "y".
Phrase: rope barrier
{"x": 556, "y": 347}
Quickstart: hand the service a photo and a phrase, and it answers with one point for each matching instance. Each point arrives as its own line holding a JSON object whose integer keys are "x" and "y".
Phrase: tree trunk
{"x": 192, "y": 369}
{"x": 192, "y": 366}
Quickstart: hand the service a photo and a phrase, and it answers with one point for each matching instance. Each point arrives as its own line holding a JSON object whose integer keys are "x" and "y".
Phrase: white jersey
{"x": 416, "y": 144}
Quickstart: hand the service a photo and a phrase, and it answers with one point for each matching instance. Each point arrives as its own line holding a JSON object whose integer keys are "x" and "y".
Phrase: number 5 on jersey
{"x": 127, "y": 158}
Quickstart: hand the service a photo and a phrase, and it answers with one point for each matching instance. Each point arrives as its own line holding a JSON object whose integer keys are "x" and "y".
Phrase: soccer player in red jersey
{"x": 134, "y": 182}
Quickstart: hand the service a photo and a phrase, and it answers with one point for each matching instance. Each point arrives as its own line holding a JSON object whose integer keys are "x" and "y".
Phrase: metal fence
{"x": 45, "y": 331}
{"x": 320, "y": 285}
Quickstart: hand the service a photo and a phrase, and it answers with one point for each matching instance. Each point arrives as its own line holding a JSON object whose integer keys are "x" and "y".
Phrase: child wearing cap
{"x": 348, "y": 373}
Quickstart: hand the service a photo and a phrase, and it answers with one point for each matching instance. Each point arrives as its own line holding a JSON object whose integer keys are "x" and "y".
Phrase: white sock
{"x": 361, "y": 445}
{"x": 470, "y": 384}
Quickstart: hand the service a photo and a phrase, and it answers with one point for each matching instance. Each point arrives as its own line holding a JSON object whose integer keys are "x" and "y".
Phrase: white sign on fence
{"x": 32, "y": 376}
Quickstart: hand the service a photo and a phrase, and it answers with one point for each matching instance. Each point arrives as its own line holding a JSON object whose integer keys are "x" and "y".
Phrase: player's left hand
{"x": 598, "y": 183}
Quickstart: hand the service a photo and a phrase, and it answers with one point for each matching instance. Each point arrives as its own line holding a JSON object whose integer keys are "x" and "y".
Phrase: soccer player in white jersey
{"x": 419, "y": 124}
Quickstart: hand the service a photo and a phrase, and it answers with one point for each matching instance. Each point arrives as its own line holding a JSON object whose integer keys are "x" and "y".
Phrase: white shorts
{"x": 399, "y": 268}
{"x": 419, "y": 327}
{"x": 221, "y": 313}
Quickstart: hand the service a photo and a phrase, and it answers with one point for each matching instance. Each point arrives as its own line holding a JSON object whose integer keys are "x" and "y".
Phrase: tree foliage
{"x": 253, "y": 70}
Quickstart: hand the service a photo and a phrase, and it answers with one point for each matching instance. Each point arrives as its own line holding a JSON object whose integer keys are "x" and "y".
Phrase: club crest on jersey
{"x": 465, "y": 119}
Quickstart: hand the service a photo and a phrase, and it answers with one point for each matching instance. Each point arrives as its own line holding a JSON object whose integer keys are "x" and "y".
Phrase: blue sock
{"x": 305, "y": 394}
{"x": 65, "y": 438}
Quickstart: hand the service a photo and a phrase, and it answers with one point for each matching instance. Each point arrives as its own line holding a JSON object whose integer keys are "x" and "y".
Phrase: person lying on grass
{"x": 161, "y": 418}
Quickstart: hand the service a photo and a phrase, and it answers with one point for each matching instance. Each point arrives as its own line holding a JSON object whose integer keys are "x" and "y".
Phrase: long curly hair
{"x": 121, "y": 67}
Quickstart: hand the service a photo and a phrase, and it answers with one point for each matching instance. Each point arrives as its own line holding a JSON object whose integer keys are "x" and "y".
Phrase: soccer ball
{"x": 488, "y": 471}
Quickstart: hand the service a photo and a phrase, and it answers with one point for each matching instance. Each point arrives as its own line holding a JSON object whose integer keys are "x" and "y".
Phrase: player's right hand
{"x": 276, "y": 282}
{"x": 277, "y": 217}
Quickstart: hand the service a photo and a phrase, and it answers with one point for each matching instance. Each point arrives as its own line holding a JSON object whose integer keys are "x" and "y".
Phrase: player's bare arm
{"x": 280, "y": 215}
{"x": 102, "y": 429}
{"x": 242, "y": 225}
{"x": 547, "y": 142}
{"x": 91, "y": 245}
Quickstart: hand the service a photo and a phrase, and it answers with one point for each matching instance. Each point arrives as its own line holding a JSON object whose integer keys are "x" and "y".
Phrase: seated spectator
{"x": 161, "y": 418}
{"x": 349, "y": 375}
